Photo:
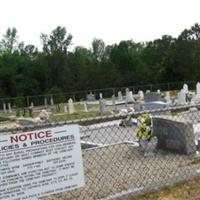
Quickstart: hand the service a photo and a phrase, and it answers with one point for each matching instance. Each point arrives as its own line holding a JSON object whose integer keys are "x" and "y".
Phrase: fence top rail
{"x": 93, "y": 120}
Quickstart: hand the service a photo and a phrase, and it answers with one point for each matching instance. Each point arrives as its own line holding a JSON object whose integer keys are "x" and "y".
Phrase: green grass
{"x": 77, "y": 115}
{"x": 186, "y": 190}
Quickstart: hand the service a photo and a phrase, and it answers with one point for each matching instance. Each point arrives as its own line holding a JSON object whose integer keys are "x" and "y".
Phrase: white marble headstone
{"x": 141, "y": 94}
{"x": 9, "y": 108}
{"x": 45, "y": 102}
{"x": 101, "y": 106}
{"x": 130, "y": 97}
{"x": 4, "y": 108}
{"x": 167, "y": 97}
{"x": 113, "y": 100}
{"x": 182, "y": 97}
{"x": 127, "y": 92}
{"x": 185, "y": 88}
{"x": 100, "y": 95}
{"x": 120, "y": 98}
{"x": 32, "y": 104}
{"x": 85, "y": 107}
{"x": 71, "y": 106}
{"x": 51, "y": 101}
{"x": 148, "y": 91}
{"x": 198, "y": 90}
{"x": 65, "y": 108}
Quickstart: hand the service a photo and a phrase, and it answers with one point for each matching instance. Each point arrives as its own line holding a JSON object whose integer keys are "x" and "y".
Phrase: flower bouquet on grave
{"x": 144, "y": 133}
{"x": 44, "y": 115}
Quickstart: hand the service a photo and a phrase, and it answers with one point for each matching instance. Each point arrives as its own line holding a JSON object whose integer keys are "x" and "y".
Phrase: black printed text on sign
{"x": 39, "y": 163}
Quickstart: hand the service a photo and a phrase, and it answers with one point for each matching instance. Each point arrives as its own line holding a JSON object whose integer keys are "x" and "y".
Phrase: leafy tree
{"x": 9, "y": 42}
{"x": 55, "y": 47}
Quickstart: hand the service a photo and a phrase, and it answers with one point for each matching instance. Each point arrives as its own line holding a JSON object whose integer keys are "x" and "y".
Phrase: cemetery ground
{"x": 113, "y": 169}
{"x": 113, "y": 161}
{"x": 185, "y": 190}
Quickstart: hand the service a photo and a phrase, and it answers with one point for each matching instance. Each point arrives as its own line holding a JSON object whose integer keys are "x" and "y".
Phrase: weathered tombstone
{"x": 51, "y": 101}
{"x": 101, "y": 106}
{"x": 152, "y": 96}
{"x": 141, "y": 94}
{"x": 32, "y": 104}
{"x": 9, "y": 108}
{"x": 4, "y": 108}
{"x": 113, "y": 101}
{"x": 130, "y": 97}
{"x": 185, "y": 88}
{"x": 71, "y": 106}
{"x": 198, "y": 90}
{"x": 127, "y": 92}
{"x": 120, "y": 98}
{"x": 148, "y": 91}
{"x": 45, "y": 102}
{"x": 174, "y": 135}
{"x": 85, "y": 107}
{"x": 196, "y": 98}
{"x": 65, "y": 109}
{"x": 182, "y": 97}
{"x": 90, "y": 97}
{"x": 167, "y": 97}
{"x": 154, "y": 105}
{"x": 100, "y": 95}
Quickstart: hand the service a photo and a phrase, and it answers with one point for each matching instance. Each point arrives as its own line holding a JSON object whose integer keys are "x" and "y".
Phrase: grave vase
{"x": 148, "y": 146}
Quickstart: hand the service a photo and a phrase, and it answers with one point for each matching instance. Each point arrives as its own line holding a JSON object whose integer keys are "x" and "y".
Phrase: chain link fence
{"x": 125, "y": 155}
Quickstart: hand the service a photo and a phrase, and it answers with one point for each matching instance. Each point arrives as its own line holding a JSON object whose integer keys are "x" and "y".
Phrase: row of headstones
{"x": 182, "y": 95}
{"x": 72, "y": 110}
{"x": 8, "y": 109}
{"x": 128, "y": 96}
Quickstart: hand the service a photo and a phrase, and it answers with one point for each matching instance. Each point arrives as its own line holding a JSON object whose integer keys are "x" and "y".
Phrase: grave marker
{"x": 120, "y": 98}
{"x": 45, "y": 102}
{"x": 198, "y": 90}
{"x": 167, "y": 97}
{"x": 100, "y": 95}
{"x": 85, "y": 107}
{"x": 65, "y": 109}
{"x": 141, "y": 94}
{"x": 51, "y": 101}
{"x": 182, "y": 97}
{"x": 101, "y": 106}
{"x": 9, "y": 108}
{"x": 174, "y": 135}
{"x": 113, "y": 101}
{"x": 4, "y": 108}
{"x": 71, "y": 106}
{"x": 185, "y": 88}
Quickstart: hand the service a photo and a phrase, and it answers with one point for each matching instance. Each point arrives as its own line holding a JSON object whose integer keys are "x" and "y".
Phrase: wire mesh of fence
{"x": 133, "y": 153}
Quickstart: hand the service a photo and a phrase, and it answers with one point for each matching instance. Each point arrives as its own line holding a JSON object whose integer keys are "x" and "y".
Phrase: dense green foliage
{"x": 24, "y": 70}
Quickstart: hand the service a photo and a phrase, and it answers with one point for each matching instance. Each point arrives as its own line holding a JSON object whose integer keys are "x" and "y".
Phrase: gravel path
{"x": 116, "y": 168}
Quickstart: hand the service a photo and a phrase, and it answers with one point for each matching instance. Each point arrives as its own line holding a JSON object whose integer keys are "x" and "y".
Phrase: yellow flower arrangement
{"x": 144, "y": 127}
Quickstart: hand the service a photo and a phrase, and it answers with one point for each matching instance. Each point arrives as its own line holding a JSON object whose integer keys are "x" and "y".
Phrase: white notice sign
{"x": 39, "y": 163}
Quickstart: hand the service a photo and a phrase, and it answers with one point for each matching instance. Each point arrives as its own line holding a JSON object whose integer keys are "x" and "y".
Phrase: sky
{"x": 109, "y": 20}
